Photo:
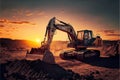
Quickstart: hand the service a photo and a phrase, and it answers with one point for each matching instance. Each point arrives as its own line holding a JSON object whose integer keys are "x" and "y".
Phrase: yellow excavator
{"x": 79, "y": 41}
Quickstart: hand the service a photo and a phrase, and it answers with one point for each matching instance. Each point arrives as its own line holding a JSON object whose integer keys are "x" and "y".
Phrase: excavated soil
{"x": 38, "y": 70}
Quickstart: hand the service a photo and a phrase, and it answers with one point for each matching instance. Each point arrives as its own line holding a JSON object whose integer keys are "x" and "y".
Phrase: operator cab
{"x": 85, "y": 37}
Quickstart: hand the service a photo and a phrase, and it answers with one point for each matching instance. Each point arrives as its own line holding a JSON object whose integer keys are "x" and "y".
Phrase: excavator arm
{"x": 50, "y": 31}
{"x": 52, "y": 27}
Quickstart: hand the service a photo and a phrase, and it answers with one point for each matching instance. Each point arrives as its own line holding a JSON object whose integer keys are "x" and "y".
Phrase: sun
{"x": 38, "y": 40}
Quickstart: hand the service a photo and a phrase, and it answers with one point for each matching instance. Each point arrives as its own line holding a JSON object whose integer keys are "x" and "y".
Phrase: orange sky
{"x": 30, "y": 24}
{"x": 35, "y": 29}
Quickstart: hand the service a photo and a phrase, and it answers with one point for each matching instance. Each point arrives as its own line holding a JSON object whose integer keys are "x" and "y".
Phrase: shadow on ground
{"x": 108, "y": 62}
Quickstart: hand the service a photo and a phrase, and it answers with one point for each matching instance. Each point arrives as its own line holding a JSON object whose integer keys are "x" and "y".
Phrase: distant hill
{"x": 11, "y": 44}
{"x": 25, "y": 44}
{"x": 18, "y": 44}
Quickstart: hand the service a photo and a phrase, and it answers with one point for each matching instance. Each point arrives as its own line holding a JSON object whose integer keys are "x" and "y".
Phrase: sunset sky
{"x": 27, "y": 19}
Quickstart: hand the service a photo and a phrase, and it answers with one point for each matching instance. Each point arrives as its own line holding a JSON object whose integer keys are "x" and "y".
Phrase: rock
{"x": 97, "y": 72}
{"x": 89, "y": 77}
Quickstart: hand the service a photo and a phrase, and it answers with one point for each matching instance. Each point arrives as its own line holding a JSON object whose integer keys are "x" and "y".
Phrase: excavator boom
{"x": 52, "y": 27}
{"x": 50, "y": 31}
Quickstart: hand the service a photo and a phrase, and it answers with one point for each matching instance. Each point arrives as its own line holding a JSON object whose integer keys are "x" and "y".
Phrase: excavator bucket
{"x": 36, "y": 51}
{"x": 39, "y": 51}
{"x": 112, "y": 49}
{"x": 47, "y": 54}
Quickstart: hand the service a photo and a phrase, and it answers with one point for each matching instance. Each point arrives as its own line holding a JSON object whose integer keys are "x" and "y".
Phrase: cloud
{"x": 7, "y": 30}
{"x": 29, "y": 14}
{"x": 2, "y": 26}
{"x": 3, "y": 21}
{"x": 20, "y": 22}
{"x": 62, "y": 12}
{"x": 109, "y": 31}
{"x": 16, "y": 22}
{"x": 14, "y": 28}
{"x": 1, "y": 33}
{"x": 41, "y": 13}
{"x": 113, "y": 34}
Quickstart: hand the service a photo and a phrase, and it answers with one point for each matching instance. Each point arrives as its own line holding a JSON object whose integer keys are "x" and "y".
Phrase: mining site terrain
{"x": 16, "y": 65}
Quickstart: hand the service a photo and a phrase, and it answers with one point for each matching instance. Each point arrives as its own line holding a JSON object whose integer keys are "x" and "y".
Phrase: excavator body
{"x": 85, "y": 39}
{"x": 79, "y": 42}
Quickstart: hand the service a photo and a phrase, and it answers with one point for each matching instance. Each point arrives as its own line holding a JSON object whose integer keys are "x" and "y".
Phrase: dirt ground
{"x": 103, "y": 69}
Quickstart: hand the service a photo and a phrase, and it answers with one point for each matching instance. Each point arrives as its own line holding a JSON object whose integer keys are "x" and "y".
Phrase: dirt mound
{"x": 37, "y": 70}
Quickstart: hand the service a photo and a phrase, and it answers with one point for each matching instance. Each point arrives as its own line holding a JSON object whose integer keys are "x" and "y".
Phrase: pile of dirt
{"x": 37, "y": 70}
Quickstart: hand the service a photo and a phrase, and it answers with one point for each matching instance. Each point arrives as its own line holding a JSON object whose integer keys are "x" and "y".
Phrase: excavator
{"x": 78, "y": 42}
